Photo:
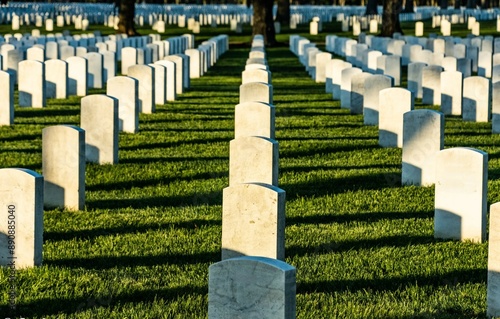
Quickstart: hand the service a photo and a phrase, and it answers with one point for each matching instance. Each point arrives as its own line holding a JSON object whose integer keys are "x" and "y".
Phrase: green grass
{"x": 363, "y": 245}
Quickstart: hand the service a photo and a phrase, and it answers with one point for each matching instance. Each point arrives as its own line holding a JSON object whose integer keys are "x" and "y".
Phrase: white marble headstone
{"x": 145, "y": 76}
{"x": 423, "y": 138}
{"x": 99, "y": 119}
{"x": 253, "y": 221}
{"x": 461, "y": 194}
{"x": 32, "y": 84}
{"x": 7, "y": 100}
{"x": 63, "y": 166}
{"x": 451, "y": 92}
{"x": 476, "y": 99}
{"x": 256, "y": 92}
{"x": 373, "y": 85}
{"x": 393, "y": 103}
{"x": 125, "y": 89}
{"x": 253, "y": 159}
{"x": 21, "y": 218}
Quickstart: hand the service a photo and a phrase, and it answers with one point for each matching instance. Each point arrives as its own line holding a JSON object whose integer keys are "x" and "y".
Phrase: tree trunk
{"x": 390, "y": 18}
{"x": 443, "y": 4}
{"x": 283, "y": 14}
{"x": 371, "y": 7}
{"x": 263, "y": 21}
{"x": 409, "y": 8}
{"x": 127, "y": 14}
{"x": 457, "y": 4}
{"x": 471, "y": 4}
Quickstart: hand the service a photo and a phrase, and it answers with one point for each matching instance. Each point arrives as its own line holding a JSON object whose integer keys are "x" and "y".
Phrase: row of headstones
{"x": 157, "y": 22}
{"x": 206, "y": 15}
{"x": 320, "y": 67}
{"x": 79, "y": 22}
{"x": 211, "y": 17}
{"x": 253, "y": 217}
{"x": 460, "y": 174}
{"x": 65, "y": 151}
{"x": 58, "y": 79}
{"x": 473, "y": 97}
{"x": 412, "y": 49}
{"x": 72, "y": 77}
{"x": 370, "y": 95}
{"x": 63, "y": 45}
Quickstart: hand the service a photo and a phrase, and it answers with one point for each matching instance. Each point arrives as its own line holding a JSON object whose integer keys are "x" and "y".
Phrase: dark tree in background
{"x": 263, "y": 20}
{"x": 409, "y": 8}
{"x": 471, "y": 4}
{"x": 126, "y": 15}
{"x": 443, "y": 4}
{"x": 371, "y": 7}
{"x": 390, "y": 18}
{"x": 283, "y": 13}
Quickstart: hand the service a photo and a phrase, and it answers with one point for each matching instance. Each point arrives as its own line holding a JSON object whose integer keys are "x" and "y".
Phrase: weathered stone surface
{"x": 254, "y": 119}
{"x": 253, "y": 159}
{"x": 256, "y": 92}
{"x": 251, "y": 287}
{"x": 253, "y": 221}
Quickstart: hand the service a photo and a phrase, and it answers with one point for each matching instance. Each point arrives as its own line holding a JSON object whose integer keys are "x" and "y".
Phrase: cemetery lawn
{"x": 362, "y": 244}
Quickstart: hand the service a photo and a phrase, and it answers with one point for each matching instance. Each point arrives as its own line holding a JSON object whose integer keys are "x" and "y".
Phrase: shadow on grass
{"x": 323, "y": 149}
{"x": 108, "y": 262}
{"x": 358, "y": 244}
{"x": 186, "y": 129}
{"x": 302, "y": 138}
{"x": 321, "y": 187}
{"x": 47, "y": 112}
{"x": 198, "y": 199}
{"x": 52, "y": 306}
{"x": 292, "y": 111}
{"x": 22, "y": 150}
{"x": 22, "y": 137}
{"x": 334, "y": 126}
{"x": 146, "y": 160}
{"x": 185, "y": 142}
{"x": 358, "y": 217}
{"x": 447, "y": 313}
{"x": 89, "y": 234}
{"x": 453, "y": 278}
{"x": 129, "y": 184}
